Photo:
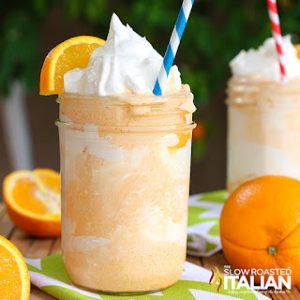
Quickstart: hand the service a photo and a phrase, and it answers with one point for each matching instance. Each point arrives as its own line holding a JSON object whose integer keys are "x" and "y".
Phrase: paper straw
{"x": 173, "y": 46}
{"x": 276, "y": 31}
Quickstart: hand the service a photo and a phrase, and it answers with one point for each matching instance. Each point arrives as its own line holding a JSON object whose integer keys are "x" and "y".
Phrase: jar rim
{"x": 249, "y": 90}
{"x": 122, "y": 128}
{"x": 259, "y": 82}
{"x": 125, "y": 99}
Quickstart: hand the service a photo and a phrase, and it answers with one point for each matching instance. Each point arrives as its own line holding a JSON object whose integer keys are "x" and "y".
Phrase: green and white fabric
{"x": 203, "y": 223}
{"x": 49, "y": 275}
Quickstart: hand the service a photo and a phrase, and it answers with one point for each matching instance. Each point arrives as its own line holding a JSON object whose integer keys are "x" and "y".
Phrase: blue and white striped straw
{"x": 173, "y": 46}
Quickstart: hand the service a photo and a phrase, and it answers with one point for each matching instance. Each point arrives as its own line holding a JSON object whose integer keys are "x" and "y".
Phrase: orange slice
{"x": 14, "y": 276}
{"x": 33, "y": 202}
{"x": 70, "y": 54}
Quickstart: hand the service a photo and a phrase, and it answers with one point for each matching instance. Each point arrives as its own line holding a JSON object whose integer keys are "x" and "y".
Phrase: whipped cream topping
{"x": 263, "y": 62}
{"x": 126, "y": 63}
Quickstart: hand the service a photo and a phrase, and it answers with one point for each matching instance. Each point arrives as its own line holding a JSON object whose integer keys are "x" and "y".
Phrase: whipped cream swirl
{"x": 127, "y": 63}
{"x": 263, "y": 62}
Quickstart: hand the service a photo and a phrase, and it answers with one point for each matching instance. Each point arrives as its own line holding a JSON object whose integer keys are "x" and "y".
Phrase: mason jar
{"x": 263, "y": 129}
{"x": 125, "y": 167}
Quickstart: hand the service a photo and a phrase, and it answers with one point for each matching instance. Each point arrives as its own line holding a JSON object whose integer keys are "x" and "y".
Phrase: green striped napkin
{"x": 203, "y": 223}
{"x": 49, "y": 275}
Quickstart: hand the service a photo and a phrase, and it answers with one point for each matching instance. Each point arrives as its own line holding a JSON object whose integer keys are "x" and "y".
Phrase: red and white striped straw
{"x": 276, "y": 31}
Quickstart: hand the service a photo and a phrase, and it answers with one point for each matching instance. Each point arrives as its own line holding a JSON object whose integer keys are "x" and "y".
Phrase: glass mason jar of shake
{"x": 125, "y": 184}
{"x": 263, "y": 116}
{"x": 125, "y": 165}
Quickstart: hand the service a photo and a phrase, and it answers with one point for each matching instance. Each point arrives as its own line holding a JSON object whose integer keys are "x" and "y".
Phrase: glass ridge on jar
{"x": 125, "y": 165}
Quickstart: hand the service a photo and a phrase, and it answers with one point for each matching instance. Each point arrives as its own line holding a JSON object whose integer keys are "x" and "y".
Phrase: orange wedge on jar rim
{"x": 14, "y": 275}
{"x": 70, "y": 54}
{"x": 33, "y": 201}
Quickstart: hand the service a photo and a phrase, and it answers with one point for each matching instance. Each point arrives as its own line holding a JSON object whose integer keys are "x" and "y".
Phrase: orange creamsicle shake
{"x": 125, "y": 167}
{"x": 263, "y": 115}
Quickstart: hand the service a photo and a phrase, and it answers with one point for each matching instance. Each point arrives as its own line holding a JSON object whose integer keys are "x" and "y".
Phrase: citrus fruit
{"x": 14, "y": 276}
{"x": 199, "y": 131}
{"x": 72, "y": 53}
{"x": 260, "y": 225}
{"x": 33, "y": 202}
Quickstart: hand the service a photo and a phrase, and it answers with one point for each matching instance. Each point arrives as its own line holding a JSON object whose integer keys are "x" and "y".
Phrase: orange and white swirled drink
{"x": 263, "y": 115}
{"x": 125, "y": 167}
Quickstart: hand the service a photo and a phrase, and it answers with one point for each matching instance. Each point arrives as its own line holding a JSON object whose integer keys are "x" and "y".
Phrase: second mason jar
{"x": 263, "y": 129}
{"x": 125, "y": 165}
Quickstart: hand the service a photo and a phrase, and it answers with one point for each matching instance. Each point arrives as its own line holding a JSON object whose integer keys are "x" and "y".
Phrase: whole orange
{"x": 260, "y": 225}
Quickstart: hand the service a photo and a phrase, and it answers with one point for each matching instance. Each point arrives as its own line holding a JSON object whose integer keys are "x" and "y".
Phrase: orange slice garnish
{"x": 14, "y": 276}
{"x": 33, "y": 201}
{"x": 70, "y": 54}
